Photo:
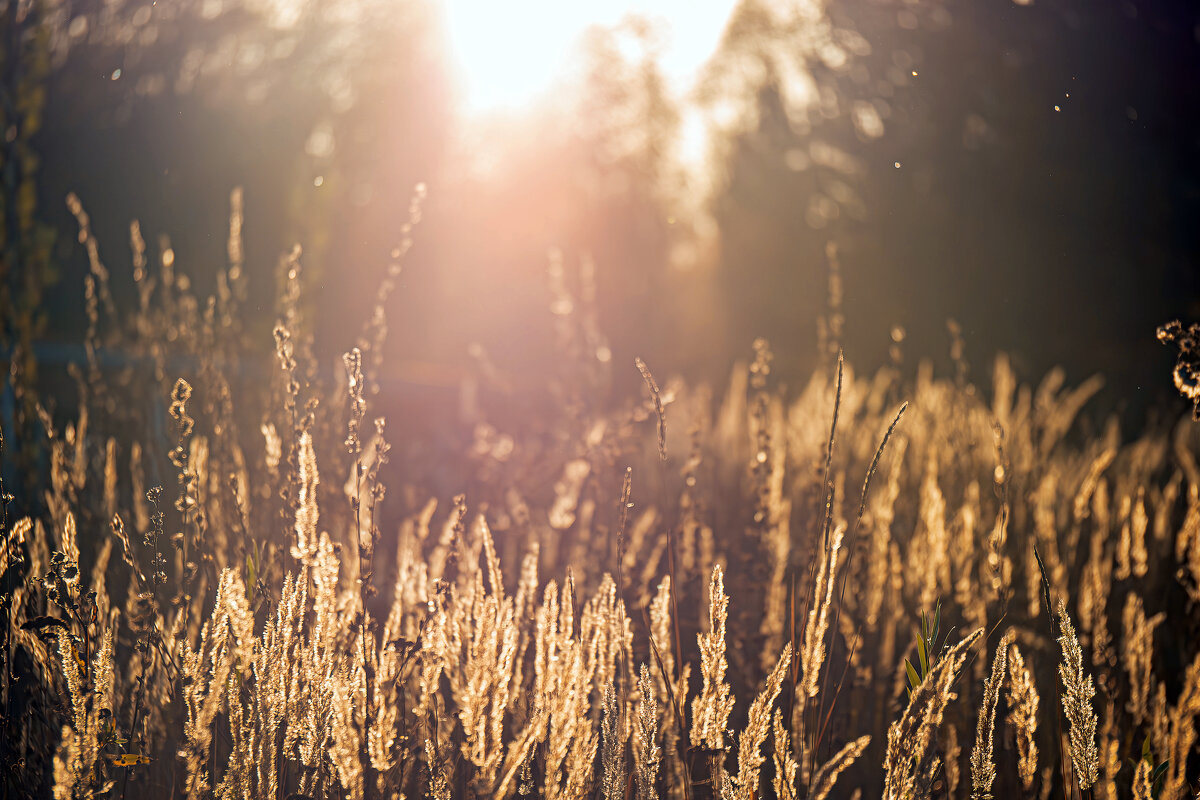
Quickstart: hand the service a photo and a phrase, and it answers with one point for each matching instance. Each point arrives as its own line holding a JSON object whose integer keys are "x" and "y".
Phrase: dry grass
{"x": 277, "y": 626}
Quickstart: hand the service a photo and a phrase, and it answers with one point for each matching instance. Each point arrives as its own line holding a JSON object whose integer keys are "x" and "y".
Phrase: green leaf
{"x": 1146, "y": 750}
{"x": 913, "y": 678}
{"x": 937, "y": 621}
{"x": 1159, "y": 771}
{"x": 921, "y": 650}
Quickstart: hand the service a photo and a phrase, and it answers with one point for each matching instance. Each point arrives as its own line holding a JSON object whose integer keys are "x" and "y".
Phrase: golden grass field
{"x": 865, "y": 585}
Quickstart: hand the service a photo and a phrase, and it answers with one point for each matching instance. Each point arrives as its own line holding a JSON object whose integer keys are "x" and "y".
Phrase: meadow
{"x": 225, "y": 580}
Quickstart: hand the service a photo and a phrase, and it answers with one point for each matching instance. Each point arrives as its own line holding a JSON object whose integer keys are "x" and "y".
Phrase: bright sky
{"x": 508, "y": 53}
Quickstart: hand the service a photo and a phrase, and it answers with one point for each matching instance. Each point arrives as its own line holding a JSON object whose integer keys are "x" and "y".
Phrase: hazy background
{"x": 1030, "y": 170}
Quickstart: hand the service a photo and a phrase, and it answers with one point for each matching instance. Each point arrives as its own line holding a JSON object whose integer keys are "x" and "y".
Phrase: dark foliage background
{"x": 1062, "y": 236}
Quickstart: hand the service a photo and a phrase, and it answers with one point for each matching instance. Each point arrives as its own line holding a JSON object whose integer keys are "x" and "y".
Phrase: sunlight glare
{"x": 511, "y": 55}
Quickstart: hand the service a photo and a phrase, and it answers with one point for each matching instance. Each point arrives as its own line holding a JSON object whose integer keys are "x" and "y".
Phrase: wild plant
{"x": 684, "y": 594}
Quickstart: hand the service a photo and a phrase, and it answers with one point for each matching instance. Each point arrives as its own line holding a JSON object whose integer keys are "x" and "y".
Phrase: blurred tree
{"x": 804, "y": 97}
{"x": 326, "y": 112}
{"x": 625, "y": 132}
{"x": 26, "y": 242}
{"x": 1024, "y": 168}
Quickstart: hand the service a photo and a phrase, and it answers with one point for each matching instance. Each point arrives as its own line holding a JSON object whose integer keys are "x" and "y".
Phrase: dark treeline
{"x": 1062, "y": 236}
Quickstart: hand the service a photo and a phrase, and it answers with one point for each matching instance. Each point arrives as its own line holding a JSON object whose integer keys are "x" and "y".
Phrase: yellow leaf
{"x": 127, "y": 759}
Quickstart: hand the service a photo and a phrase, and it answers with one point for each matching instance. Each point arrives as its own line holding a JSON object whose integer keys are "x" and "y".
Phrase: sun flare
{"x": 510, "y": 56}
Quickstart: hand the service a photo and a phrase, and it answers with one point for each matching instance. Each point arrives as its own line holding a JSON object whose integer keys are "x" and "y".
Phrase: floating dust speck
{"x": 896, "y": 164}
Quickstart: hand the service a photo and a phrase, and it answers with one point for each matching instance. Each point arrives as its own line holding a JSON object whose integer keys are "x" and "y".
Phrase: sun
{"x": 506, "y": 54}
{"x": 512, "y": 55}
